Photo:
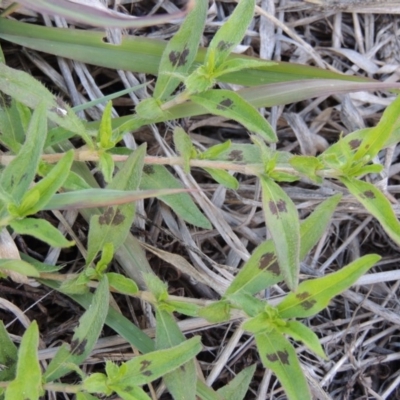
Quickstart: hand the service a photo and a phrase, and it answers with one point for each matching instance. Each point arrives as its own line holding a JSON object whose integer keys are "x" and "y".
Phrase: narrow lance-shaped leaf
{"x": 283, "y": 224}
{"x": 29, "y": 91}
{"x": 42, "y": 230}
{"x": 184, "y": 146}
{"x": 237, "y": 388}
{"x": 20, "y": 266}
{"x": 231, "y": 105}
{"x": 374, "y": 140}
{"x": 8, "y": 355}
{"x": 114, "y": 223}
{"x": 19, "y": 174}
{"x": 144, "y": 369}
{"x": 302, "y": 333}
{"x": 180, "y": 51}
{"x": 104, "y": 136}
{"x": 229, "y": 35}
{"x": 278, "y": 354}
{"x": 223, "y": 178}
{"x": 85, "y": 336}
{"x": 44, "y": 190}
{"x": 314, "y": 295}
{"x": 14, "y": 122}
{"x": 158, "y": 177}
{"x": 27, "y": 384}
{"x": 262, "y": 269}
{"x": 376, "y": 203}
{"x": 182, "y": 380}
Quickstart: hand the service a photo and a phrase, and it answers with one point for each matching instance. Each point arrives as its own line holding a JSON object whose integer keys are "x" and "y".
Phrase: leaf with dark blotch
{"x": 262, "y": 269}
{"x": 314, "y": 295}
{"x": 230, "y": 105}
{"x": 229, "y": 35}
{"x": 85, "y": 336}
{"x": 180, "y": 52}
{"x": 114, "y": 223}
{"x": 283, "y": 223}
{"x": 279, "y": 355}
{"x": 377, "y": 204}
{"x": 144, "y": 369}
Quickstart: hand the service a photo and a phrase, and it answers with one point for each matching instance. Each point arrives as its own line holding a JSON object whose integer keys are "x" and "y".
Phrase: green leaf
{"x": 85, "y": 396}
{"x": 314, "y": 295}
{"x": 204, "y": 392}
{"x": 184, "y": 146}
{"x": 19, "y": 266}
{"x": 106, "y": 164}
{"x": 30, "y": 92}
{"x": 16, "y": 178}
{"x": 307, "y": 166}
{"x": 377, "y": 204}
{"x": 279, "y": 355}
{"x": 133, "y": 393}
{"x": 107, "y": 253}
{"x": 231, "y": 105}
{"x": 302, "y": 333}
{"x": 251, "y": 305}
{"x": 114, "y": 223}
{"x": 215, "y": 152}
{"x": 144, "y": 369}
{"x": 283, "y": 224}
{"x": 229, "y": 35}
{"x": 122, "y": 284}
{"x": 262, "y": 269}
{"x": 115, "y": 320}
{"x": 85, "y": 336}
{"x": 14, "y": 122}
{"x": 48, "y": 186}
{"x": 158, "y": 177}
{"x": 374, "y": 140}
{"x": 218, "y": 311}
{"x": 237, "y": 388}
{"x": 104, "y": 136}
{"x": 42, "y": 230}
{"x": 27, "y": 384}
{"x": 8, "y": 355}
{"x": 182, "y": 380}
{"x": 180, "y": 51}
{"x": 156, "y": 286}
{"x": 97, "y": 383}
{"x": 223, "y": 178}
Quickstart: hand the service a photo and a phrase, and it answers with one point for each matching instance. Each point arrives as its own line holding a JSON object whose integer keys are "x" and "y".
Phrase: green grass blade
{"x": 139, "y": 54}
{"x": 97, "y": 15}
